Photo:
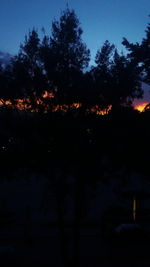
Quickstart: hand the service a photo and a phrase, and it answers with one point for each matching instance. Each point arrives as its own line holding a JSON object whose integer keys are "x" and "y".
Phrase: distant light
{"x": 134, "y": 209}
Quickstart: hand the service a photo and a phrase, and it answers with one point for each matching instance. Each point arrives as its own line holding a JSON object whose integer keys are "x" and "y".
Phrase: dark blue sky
{"x": 100, "y": 20}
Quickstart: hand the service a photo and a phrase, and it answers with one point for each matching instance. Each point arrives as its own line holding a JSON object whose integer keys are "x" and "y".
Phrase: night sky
{"x": 100, "y": 20}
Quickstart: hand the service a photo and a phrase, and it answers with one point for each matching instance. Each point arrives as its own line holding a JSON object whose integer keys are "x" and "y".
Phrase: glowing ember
{"x": 39, "y": 102}
{"x": 47, "y": 95}
{"x": 76, "y": 105}
{"x": 7, "y": 102}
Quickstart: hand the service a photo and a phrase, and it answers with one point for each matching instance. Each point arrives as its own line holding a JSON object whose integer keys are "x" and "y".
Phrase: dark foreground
{"x": 43, "y": 249}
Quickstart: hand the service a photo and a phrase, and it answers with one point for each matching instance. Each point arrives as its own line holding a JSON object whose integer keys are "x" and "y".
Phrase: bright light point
{"x": 134, "y": 209}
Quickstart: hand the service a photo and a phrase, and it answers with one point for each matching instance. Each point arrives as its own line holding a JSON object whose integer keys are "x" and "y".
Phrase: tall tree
{"x": 125, "y": 82}
{"x": 27, "y": 67}
{"x": 102, "y": 75}
{"x": 68, "y": 55}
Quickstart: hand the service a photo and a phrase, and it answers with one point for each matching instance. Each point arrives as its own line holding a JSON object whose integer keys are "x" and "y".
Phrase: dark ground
{"x": 43, "y": 249}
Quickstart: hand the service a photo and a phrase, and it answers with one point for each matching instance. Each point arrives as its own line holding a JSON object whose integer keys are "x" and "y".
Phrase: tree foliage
{"x": 140, "y": 53}
{"x": 27, "y": 67}
{"x": 58, "y": 63}
{"x": 116, "y": 77}
{"x": 69, "y": 56}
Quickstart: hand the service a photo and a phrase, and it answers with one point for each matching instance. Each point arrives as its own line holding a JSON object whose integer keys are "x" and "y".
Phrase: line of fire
{"x": 25, "y": 104}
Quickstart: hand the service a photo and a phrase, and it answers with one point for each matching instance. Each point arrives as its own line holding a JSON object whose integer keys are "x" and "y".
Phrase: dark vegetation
{"x": 76, "y": 141}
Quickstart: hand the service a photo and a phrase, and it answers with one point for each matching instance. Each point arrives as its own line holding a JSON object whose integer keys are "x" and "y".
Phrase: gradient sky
{"x": 100, "y": 20}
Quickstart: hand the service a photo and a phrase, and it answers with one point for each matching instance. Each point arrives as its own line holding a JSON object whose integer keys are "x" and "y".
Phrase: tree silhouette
{"x": 7, "y": 91}
{"x": 125, "y": 84}
{"x": 140, "y": 54}
{"x": 28, "y": 71}
{"x": 2, "y": 82}
{"x": 116, "y": 77}
{"x": 68, "y": 55}
{"x": 102, "y": 75}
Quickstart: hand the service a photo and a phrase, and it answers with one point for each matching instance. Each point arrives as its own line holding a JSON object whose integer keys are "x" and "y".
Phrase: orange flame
{"x": 47, "y": 94}
{"x": 25, "y": 104}
{"x": 140, "y": 107}
{"x": 99, "y": 111}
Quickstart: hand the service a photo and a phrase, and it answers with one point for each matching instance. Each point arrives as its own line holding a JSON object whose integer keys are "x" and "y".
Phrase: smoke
{"x": 5, "y": 58}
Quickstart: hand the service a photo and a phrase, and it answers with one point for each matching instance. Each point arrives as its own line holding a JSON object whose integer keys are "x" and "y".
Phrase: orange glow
{"x": 47, "y": 95}
{"x": 62, "y": 108}
{"x": 76, "y": 105}
{"x": 1, "y": 102}
{"x": 39, "y": 102}
{"x": 25, "y": 104}
{"x": 96, "y": 109}
{"x": 140, "y": 107}
{"x": 7, "y": 102}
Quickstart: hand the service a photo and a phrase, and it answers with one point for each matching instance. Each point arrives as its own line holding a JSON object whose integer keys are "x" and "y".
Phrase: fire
{"x": 76, "y": 105}
{"x": 62, "y": 108}
{"x": 25, "y": 104}
{"x": 140, "y": 107}
{"x": 47, "y": 94}
{"x": 96, "y": 109}
{"x": 7, "y": 102}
